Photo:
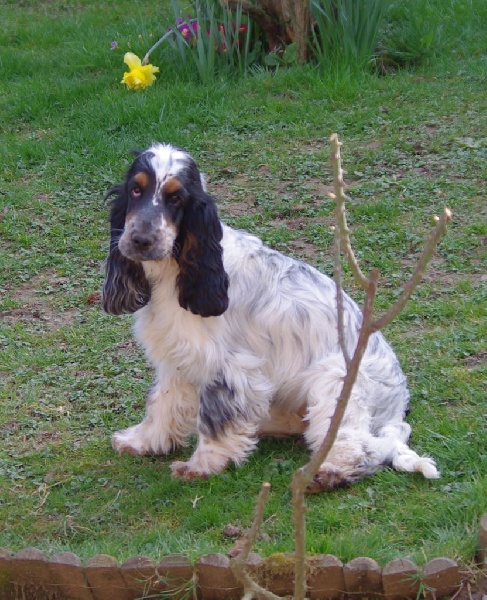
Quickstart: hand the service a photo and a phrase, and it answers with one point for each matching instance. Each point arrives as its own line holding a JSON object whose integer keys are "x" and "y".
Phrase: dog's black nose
{"x": 143, "y": 240}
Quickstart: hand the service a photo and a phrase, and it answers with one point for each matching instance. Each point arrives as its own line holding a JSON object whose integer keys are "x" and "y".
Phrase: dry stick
{"x": 239, "y": 563}
{"x": 303, "y": 476}
{"x": 337, "y": 272}
{"x": 429, "y": 247}
{"x": 340, "y": 197}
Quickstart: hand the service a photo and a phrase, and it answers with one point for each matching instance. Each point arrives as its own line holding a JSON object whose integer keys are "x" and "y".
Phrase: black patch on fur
{"x": 217, "y": 408}
{"x": 202, "y": 280}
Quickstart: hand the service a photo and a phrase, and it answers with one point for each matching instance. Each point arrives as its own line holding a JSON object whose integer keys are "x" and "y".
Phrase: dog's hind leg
{"x": 356, "y": 454}
{"x": 349, "y": 459}
{"x": 371, "y": 434}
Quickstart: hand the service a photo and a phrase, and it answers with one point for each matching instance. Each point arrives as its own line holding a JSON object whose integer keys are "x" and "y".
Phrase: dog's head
{"x": 162, "y": 212}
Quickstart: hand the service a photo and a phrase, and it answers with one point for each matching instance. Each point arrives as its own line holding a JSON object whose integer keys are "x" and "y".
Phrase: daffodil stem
{"x": 145, "y": 60}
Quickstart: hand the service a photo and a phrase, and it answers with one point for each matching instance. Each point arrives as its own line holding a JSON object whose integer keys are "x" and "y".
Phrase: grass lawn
{"x": 415, "y": 141}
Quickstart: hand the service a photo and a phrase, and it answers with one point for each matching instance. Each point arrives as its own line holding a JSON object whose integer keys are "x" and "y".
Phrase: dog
{"x": 243, "y": 339}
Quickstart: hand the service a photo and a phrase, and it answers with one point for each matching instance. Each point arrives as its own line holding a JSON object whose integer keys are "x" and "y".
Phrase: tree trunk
{"x": 282, "y": 21}
{"x": 302, "y": 26}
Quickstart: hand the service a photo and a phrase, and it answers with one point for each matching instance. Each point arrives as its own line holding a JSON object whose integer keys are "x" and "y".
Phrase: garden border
{"x": 29, "y": 575}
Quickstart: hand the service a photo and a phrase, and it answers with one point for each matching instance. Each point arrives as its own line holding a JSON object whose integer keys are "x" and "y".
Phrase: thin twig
{"x": 337, "y": 275}
{"x": 305, "y": 475}
{"x": 349, "y": 380}
{"x": 239, "y": 564}
{"x": 340, "y": 198}
{"x": 438, "y": 232}
{"x": 299, "y": 485}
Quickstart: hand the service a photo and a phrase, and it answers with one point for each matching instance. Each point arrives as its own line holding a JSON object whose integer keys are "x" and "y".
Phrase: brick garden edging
{"x": 29, "y": 575}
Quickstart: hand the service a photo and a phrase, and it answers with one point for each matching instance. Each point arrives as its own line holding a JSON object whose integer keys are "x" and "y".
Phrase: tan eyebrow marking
{"x": 142, "y": 179}
{"x": 172, "y": 185}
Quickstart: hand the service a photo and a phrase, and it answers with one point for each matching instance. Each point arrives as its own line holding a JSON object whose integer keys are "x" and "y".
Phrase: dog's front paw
{"x": 184, "y": 470}
{"x": 142, "y": 439}
{"x": 124, "y": 442}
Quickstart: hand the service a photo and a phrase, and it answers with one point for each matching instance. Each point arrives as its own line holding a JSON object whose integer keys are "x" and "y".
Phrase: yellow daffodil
{"x": 140, "y": 76}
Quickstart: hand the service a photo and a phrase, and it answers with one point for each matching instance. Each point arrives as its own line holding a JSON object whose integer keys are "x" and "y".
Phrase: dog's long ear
{"x": 126, "y": 288}
{"x": 202, "y": 280}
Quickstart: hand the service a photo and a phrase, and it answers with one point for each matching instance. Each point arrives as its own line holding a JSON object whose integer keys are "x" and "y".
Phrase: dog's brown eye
{"x": 174, "y": 199}
{"x": 136, "y": 192}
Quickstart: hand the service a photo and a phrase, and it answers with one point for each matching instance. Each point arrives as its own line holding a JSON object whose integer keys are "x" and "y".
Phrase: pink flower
{"x": 188, "y": 27}
{"x": 185, "y": 31}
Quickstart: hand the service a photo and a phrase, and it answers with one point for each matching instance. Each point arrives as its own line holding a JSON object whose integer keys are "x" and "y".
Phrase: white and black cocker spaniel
{"x": 243, "y": 339}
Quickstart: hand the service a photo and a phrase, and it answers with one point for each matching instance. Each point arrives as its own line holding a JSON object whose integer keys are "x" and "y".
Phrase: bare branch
{"x": 337, "y": 275}
{"x": 352, "y": 371}
{"x": 304, "y": 479}
{"x": 239, "y": 564}
{"x": 438, "y": 232}
{"x": 340, "y": 198}
{"x": 299, "y": 485}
